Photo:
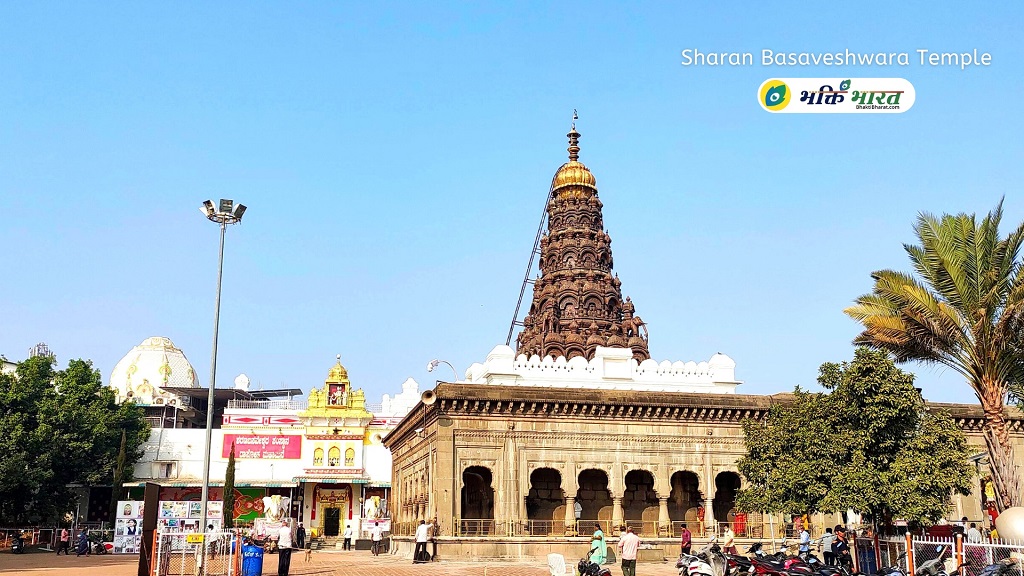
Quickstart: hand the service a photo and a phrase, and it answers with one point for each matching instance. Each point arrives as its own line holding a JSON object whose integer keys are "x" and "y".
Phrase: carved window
{"x": 334, "y": 456}
{"x": 318, "y": 457}
{"x": 350, "y": 457}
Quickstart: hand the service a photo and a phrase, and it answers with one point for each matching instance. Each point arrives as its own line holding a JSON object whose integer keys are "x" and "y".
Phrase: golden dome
{"x": 338, "y": 372}
{"x": 573, "y": 173}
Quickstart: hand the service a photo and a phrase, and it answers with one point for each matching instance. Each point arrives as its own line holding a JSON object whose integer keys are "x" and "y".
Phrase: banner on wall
{"x": 257, "y": 447}
{"x": 384, "y": 523}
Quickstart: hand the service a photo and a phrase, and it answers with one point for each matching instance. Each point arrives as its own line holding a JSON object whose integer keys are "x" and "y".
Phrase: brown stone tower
{"x": 577, "y": 302}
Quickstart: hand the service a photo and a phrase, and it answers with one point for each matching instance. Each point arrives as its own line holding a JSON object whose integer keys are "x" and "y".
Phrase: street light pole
{"x": 228, "y": 213}
{"x": 435, "y": 363}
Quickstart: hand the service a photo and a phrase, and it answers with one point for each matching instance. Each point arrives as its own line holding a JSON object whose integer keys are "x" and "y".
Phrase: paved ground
{"x": 322, "y": 563}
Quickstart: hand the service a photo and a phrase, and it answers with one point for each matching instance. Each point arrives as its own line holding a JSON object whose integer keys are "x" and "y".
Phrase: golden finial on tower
{"x": 574, "y": 139}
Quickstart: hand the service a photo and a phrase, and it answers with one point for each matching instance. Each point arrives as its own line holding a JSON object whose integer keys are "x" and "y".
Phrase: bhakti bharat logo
{"x": 774, "y": 95}
{"x": 839, "y": 96}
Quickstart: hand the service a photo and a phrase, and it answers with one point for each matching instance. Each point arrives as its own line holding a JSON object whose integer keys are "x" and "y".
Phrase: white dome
{"x": 151, "y": 366}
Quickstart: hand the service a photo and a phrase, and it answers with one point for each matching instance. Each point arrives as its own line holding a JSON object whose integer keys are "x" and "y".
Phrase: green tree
{"x": 867, "y": 443}
{"x": 58, "y": 429}
{"x": 964, "y": 310}
{"x": 120, "y": 470}
{"x": 229, "y": 490}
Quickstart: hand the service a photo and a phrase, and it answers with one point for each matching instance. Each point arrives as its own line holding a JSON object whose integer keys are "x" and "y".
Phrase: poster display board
{"x": 128, "y": 527}
{"x": 183, "y": 516}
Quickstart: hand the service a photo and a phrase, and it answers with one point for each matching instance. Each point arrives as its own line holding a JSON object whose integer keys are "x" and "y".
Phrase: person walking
{"x": 686, "y": 542}
{"x": 284, "y": 550}
{"x": 83, "y": 543}
{"x": 300, "y": 537}
{"x": 599, "y": 546}
{"x": 376, "y": 536}
{"x": 420, "y": 554}
{"x": 347, "y": 545}
{"x": 65, "y": 542}
{"x": 805, "y": 542}
{"x": 841, "y": 549}
{"x": 728, "y": 540}
{"x": 826, "y": 547}
{"x": 629, "y": 543}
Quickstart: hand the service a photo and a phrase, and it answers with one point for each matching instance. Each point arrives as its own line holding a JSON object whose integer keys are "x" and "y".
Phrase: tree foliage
{"x": 867, "y": 443}
{"x": 229, "y": 490}
{"x": 964, "y": 309}
{"x": 58, "y": 429}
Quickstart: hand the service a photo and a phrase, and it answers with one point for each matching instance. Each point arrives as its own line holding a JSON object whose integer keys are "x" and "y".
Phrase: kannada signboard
{"x": 257, "y": 447}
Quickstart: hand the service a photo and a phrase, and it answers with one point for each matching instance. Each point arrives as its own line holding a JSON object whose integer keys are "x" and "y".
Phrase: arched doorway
{"x": 477, "y": 509}
{"x": 640, "y": 502}
{"x": 684, "y": 502}
{"x": 545, "y": 497}
{"x": 595, "y": 500}
{"x": 726, "y": 486}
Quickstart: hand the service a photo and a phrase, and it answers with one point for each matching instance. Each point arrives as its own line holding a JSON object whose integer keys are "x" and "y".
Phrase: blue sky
{"x": 395, "y": 158}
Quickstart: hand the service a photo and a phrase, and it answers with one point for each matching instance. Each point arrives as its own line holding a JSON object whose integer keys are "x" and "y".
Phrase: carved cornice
{"x": 597, "y": 409}
{"x": 602, "y": 437}
{"x": 520, "y": 402}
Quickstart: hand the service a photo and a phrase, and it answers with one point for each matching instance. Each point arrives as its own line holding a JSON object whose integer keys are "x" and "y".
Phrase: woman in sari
{"x": 598, "y": 544}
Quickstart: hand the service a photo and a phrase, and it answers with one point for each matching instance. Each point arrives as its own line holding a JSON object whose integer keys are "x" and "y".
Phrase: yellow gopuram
{"x": 336, "y": 421}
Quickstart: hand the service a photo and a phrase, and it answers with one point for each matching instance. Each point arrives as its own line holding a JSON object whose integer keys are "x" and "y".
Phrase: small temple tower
{"x": 337, "y": 402}
{"x": 577, "y": 301}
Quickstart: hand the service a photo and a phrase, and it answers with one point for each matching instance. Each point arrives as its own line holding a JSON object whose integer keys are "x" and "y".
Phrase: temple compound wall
{"x": 526, "y": 456}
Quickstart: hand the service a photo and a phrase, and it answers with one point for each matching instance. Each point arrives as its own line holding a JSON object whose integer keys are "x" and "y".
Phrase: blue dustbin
{"x": 252, "y": 560}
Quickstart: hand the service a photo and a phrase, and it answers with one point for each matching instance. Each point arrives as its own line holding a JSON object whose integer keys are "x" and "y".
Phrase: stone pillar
{"x": 709, "y": 516}
{"x": 664, "y": 522}
{"x": 616, "y": 515}
{"x": 570, "y": 515}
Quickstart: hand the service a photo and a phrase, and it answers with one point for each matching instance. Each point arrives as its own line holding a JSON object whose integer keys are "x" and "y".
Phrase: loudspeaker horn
{"x": 428, "y": 397}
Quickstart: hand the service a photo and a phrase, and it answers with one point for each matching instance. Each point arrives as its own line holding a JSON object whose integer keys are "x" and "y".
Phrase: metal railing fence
{"x": 191, "y": 554}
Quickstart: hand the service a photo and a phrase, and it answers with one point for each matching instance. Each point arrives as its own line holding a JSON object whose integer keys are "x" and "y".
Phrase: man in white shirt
{"x": 805, "y": 542}
{"x": 420, "y": 554}
{"x": 629, "y": 543}
{"x": 347, "y": 545}
{"x": 376, "y": 535}
{"x": 973, "y": 534}
{"x": 284, "y": 549}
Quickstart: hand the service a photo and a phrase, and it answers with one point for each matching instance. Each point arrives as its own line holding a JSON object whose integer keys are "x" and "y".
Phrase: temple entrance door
{"x": 332, "y": 519}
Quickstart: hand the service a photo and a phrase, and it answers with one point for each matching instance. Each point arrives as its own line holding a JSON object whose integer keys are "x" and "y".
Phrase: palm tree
{"x": 964, "y": 310}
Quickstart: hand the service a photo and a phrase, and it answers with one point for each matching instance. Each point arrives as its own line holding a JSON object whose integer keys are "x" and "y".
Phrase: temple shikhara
{"x": 577, "y": 302}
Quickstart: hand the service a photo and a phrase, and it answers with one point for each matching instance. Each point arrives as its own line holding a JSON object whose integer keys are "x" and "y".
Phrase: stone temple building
{"x": 579, "y": 426}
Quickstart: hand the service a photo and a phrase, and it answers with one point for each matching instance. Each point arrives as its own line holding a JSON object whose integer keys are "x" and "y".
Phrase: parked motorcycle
{"x": 782, "y": 563}
{"x": 1005, "y": 567}
{"x": 587, "y": 568}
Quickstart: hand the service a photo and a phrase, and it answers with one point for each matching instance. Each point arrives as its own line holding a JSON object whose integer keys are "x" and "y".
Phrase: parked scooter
{"x": 18, "y": 544}
{"x": 96, "y": 543}
{"x": 935, "y": 566}
{"x": 896, "y": 569}
{"x": 587, "y": 568}
{"x": 708, "y": 562}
